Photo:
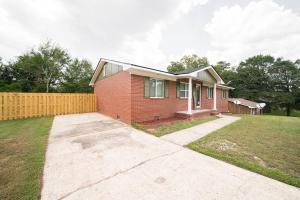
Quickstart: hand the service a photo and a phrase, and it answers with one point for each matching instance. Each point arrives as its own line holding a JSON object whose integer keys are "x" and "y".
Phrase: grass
{"x": 294, "y": 113}
{"x": 22, "y": 155}
{"x": 170, "y": 128}
{"x": 268, "y": 145}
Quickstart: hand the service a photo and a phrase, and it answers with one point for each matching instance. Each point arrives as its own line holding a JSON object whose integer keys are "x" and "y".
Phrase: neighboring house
{"x": 135, "y": 93}
{"x": 244, "y": 106}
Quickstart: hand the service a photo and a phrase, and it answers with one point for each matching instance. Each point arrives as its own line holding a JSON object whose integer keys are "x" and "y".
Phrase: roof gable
{"x": 213, "y": 76}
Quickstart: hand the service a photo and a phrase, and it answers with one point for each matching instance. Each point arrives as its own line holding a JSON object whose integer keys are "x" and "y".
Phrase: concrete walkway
{"x": 189, "y": 135}
{"x": 91, "y": 156}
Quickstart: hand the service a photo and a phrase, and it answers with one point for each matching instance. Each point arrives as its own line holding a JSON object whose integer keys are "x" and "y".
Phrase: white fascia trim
{"x": 225, "y": 87}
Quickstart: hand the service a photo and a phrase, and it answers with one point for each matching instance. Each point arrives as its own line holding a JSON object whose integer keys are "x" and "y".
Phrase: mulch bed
{"x": 158, "y": 123}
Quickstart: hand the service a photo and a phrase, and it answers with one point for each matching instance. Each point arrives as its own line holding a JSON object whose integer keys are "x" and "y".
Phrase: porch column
{"x": 190, "y": 97}
{"x": 215, "y": 97}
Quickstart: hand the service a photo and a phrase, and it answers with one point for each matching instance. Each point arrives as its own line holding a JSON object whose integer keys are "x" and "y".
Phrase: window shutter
{"x": 147, "y": 87}
{"x": 178, "y": 89}
{"x": 207, "y": 92}
{"x": 167, "y": 86}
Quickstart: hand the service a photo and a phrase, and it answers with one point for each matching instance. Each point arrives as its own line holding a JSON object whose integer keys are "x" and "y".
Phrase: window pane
{"x": 182, "y": 86}
{"x": 108, "y": 69}
{"x": 152, "y": 88}
{"x": 114, "y": 69}
{"x": 159, "y": 87}
{"x": 182, "y": 94}
{"x": 120, "y": 68}
{"x": 186, "y": 94}
{"x": 186, "y": 86}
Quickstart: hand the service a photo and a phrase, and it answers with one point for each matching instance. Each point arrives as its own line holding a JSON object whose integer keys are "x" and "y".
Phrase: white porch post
{"x": 190, "y": 97}
{"x": 215, "y": 97}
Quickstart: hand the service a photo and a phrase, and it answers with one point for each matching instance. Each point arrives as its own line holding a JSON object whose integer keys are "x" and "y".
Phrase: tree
{"x": 175, "y": 67}
{"x": 222, "y": 66}
{"x": 188, "y": 62}
{"x": 285, "y": 80}
{"x": 40, "y": 70}
{"x": 77, "y": 76}
{"x": 227, "y": 73}
{"x": 7, "y": 82}
{"x": 51, "y": 60}
{"x": 252, "y": 81}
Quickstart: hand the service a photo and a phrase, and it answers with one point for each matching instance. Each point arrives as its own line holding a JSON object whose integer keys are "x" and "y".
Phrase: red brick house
{"x": 134, "y": 93}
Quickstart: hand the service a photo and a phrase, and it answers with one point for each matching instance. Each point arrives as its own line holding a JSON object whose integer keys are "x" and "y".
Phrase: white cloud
{"x": 147, "y": 48}
{"x": 150, "y": 33}
{"x": 260, "y": 27}
{"x": 118, "y": 29}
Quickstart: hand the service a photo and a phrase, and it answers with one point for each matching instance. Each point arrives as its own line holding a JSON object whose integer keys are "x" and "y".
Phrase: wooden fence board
{"x": 26, "y": 105}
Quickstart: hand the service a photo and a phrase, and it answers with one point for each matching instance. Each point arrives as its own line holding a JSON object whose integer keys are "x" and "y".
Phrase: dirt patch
{"x": 222, "y": 145}
{"x": 260, "y": 161}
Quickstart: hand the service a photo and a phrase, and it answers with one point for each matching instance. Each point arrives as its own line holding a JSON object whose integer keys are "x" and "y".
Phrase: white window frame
{"x": 163, "y": 88}
{"x": 186, "y": 92}
{"x": 210, "y": 94}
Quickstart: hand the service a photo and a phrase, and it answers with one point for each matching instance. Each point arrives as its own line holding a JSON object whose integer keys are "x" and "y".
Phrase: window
{"x": 184, "y": 90}
{"x": 224, "y": 94}
{"x": 210, "y": 92}
{"x": 110, "y": 69}
{"x": 156, "y": 88}
{"x": 107, "y": 70}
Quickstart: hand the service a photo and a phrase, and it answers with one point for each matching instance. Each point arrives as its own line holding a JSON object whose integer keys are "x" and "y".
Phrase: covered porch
{"x": 195, "y": 82}
{"x": 199, "y": 102}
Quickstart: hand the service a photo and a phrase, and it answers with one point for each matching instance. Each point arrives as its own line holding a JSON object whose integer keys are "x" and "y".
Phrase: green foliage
{"x": 48, "y": 68}
{"x": 252, "y": 81}
{"x": 188, "y": 62}
{"x": 77, "y": 76}
{"x": 285, "y": 80}
{"x": 222, "y": 66}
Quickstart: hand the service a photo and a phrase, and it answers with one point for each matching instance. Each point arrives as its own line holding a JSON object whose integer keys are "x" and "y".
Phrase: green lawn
{"x": 170, "y": 128}
{"x": 294, "y": 113}
{"x": 268, "y": 145}
{"x": 22, "y": 155}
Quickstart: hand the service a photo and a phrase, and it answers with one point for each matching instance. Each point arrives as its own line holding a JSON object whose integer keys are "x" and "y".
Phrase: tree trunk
{"x": 288, "y": 110}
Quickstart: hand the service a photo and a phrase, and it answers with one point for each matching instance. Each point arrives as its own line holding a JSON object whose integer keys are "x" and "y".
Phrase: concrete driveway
{"x": 91, "y": 156}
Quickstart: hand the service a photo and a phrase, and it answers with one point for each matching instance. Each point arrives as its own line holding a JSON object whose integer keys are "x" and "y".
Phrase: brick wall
{"x": 122, "y": 96}
{"x": 205, "y": 102}
{"x": 113, "y": 96}
{"x": 222, "y": 104}
{"x": 145, "y": 109}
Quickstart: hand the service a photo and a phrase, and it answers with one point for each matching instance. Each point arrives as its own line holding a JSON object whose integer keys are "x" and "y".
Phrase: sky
{"x": 153, "y": 32}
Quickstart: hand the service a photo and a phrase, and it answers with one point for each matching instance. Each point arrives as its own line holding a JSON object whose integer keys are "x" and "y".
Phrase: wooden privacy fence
{"x": 25, "y": 105}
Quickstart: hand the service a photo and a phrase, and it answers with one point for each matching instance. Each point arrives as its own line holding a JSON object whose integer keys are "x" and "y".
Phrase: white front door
{"x": 198, "y": 96}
